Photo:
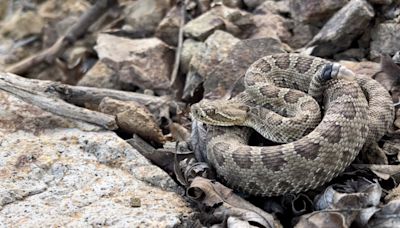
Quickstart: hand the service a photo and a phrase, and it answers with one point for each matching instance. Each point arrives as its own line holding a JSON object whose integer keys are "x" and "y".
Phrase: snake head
{"x": 220, "y": 112}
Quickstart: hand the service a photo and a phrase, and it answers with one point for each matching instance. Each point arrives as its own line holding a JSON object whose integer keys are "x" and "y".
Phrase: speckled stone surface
{"x": 58, "y": 172}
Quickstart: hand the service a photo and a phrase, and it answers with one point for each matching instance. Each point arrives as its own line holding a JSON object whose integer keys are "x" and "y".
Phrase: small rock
{"x": 216, "y": 48}
{"x": 385, "y": 39}
{"x": 133, "y": 118}
{"x": 271, "y": 25}
{"x": 168, "y": 29}
{"x": 234, "y": 66}
{"x": 189, "y": 48}
{"x": 253, "y": 3}
{"x": 233, "y": 3}
{"x": 22, "y": 24}
{"x": 365, "y": 68}
{"x": 315, "y": 10}
{"x": 100, "y": 75}
{"x": 381, "y": 2}
{"x": 339, "y": 32}
{"x": 302, "y": 34}
{"x": 203, "y": 26}
{"x": 275, "y": 7}
{"x": 143, "y": 16}
{"x": 351, "y": 54}
{"x": 145, "y": 63}
{"x": 220, "y": 17}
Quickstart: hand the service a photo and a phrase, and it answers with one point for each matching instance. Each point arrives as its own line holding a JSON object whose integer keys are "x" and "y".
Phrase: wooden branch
{"x": 58, "y": 106}
{"x": 81, "y": 95}
{"x": 178, "y": 52}
{"x": 76, "y": 31}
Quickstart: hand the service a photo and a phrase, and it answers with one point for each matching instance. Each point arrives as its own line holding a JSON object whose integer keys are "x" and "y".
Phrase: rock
{"x": 145, "y": 63}
{"x": 340, "y": 31}
{"x": 385, "y": 39}
{"x": 315, "y": 10}
{"x": 381, "y": 2}
{"x": 271, "y": 25}
{"x": 365, "y": 68}
{"x": 253, "y": 3}
{"x": 100, "y": 75}
{"x": 168, "y": 29}
{"x": 355, "y": 54}
{"x": 216, "y": 48}
{"x": 242, "y": 55}
{"x": 233, "y": 3}
{"x": 22, "y": 24}
{"x": 189, "y": 48}
{"x": 275, "y": 7}
{"x": 220, "y": 17}
{"x": 302, "y": 34}
{"x": 56, "y": 175}
{"x": 143, "y": 16}
{"x": 203, "y": 26}
{"x": 133, "y": 118}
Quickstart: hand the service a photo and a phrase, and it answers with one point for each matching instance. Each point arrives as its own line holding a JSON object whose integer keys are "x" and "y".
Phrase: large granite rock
{"x": 385, "y": 39}
{"x": 58, "y": 172}
{"x": 340, "y": 31}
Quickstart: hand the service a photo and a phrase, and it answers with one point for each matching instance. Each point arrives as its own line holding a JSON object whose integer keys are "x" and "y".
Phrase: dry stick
{"x": 59, "y": 107}
{"x": 174, "y": 73}
{"x": 76, "y": 31}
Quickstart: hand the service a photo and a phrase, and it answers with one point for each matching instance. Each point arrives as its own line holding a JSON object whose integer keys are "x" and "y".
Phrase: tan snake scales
{"x": 356, "y": 111}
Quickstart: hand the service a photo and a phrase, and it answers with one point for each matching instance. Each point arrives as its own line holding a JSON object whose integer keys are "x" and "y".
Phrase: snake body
{"x": 356, "y": 111}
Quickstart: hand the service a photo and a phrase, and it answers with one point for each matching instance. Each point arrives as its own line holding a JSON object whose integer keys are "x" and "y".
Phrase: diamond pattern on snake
{"x": 321, "y": 112}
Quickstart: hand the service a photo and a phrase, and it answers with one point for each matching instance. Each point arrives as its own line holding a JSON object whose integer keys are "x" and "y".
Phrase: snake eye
{"x": 210, "y": 111}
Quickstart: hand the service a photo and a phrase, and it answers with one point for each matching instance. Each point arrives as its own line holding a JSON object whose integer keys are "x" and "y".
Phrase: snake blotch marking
{"x": 356, "y": 112}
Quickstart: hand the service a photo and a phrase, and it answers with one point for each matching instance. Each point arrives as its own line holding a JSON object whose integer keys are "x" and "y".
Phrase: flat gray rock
{"x": 55, "y": 175}
{"x": 385, "y": 39}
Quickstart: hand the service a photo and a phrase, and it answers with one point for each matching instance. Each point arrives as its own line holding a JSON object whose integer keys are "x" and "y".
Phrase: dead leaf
{"x": 222, "y": 204}
{"x": 322, "y": 219}
{"x": 388, "y": 216}
{"x": 382, "y": 171}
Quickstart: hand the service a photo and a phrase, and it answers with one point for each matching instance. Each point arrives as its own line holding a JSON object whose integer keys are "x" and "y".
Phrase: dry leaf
{"x": 387, "y": 217}
{"x": 382, "y": 171}
{"x": 222, "y": 204}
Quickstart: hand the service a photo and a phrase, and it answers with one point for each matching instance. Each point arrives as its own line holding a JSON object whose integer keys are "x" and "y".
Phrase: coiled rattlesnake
{"x": 356, "y": 110}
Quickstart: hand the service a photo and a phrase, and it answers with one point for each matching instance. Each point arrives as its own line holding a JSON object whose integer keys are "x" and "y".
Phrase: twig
{"x": 174, "y": 73}
{"x": 76, "y": 31}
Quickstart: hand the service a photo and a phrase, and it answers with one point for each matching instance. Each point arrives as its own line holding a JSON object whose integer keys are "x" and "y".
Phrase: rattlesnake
{"x": 357, "y": 111}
